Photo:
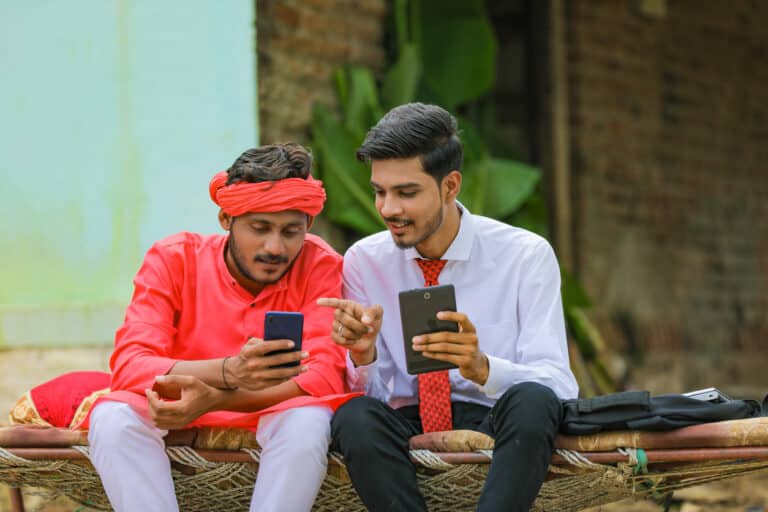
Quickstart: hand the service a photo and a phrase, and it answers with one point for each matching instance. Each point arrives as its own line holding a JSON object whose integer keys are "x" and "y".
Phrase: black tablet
{"x": 418, "y": 313}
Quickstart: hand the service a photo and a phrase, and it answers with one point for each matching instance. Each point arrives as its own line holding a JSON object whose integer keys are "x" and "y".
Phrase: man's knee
{"x": 117, "y": 425}
{"x": 359, "y": 424}
{"x": 356, "y": 414}
{"x": 305, "y": 431}
{"x": 109, "y": 420}
{"x": 311, "y": 421}
{"x": 533, "y": 407}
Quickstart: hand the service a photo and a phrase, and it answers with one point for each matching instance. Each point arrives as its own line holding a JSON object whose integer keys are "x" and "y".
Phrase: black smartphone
{"x": 418, "y": 313}
{"x": 284, "y": 325}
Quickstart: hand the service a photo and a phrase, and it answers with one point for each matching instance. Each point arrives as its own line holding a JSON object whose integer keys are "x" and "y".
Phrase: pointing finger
{"x": 372, "y": 314}
{"x": 331, "y": 302}
{"x": 348, "y": 306}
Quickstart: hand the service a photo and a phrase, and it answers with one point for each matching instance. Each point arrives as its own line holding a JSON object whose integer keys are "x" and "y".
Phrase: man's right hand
{"x": 355, "y": 327}
{"x": 253, "y": 369}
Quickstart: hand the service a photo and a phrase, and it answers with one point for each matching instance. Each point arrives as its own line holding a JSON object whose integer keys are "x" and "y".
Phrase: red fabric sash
{"x": 304, "y": 195}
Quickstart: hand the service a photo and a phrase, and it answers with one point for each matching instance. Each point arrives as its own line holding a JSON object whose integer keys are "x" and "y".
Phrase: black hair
{"x": 416, "y": 130}
{"x": 271, "y": 163}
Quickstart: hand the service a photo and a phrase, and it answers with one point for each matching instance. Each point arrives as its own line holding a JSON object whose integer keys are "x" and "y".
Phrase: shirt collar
{"x": 461, "y": 247}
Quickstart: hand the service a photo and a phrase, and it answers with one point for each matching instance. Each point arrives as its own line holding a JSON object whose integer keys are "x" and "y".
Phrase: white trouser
{"x": 129, "y": 454}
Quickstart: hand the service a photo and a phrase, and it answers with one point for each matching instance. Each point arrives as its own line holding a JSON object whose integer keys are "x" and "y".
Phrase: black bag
{"x": 637, "y": 410}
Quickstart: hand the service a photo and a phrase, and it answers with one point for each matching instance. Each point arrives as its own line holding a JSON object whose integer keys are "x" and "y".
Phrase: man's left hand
{"x": 460, "y": 348}
{"x": 177, "y": 400}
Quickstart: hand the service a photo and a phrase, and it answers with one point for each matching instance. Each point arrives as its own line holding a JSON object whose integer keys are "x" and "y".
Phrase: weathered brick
{"x": 300, "y": 44}
{"x": 668, "y": 126}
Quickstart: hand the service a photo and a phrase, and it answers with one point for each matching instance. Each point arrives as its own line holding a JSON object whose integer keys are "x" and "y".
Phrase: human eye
{"x": 292, "y": 232}
{"x": 408, "y": 193}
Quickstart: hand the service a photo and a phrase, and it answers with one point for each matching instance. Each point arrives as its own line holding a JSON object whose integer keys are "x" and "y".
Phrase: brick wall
{"x": 300, "y": 44}
{"x": 669, "y": 134}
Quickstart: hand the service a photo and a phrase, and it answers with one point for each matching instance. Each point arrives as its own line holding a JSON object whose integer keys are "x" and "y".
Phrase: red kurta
{"x": 187, "y": 306}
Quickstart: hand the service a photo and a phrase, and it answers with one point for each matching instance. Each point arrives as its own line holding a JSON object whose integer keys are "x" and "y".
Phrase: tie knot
{"x": 431, "y": 270}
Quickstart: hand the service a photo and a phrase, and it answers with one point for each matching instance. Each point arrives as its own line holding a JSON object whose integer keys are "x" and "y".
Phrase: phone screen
{"x": 284, "y": 325}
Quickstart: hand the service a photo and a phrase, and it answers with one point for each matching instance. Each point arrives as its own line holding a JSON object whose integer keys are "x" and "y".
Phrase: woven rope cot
{"x": 586, "y": 471}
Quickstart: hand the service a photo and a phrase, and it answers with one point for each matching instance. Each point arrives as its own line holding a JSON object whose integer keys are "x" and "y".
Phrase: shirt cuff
{"x": 500, "y": 374}
{"x": 359, "y": 376}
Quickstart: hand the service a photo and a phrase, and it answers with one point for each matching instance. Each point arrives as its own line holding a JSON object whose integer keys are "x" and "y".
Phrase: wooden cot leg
{"x": 17, "y": 500}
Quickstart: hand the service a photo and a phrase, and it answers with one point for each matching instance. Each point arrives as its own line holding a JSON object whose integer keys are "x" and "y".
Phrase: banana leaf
{"x": 532, "y": 215}
{"x": 475, "y": 148}
{"x": 359, "y": 99}
{"x": 402, "y": 80}
{"x": 497, "y": 187}
{"x": 574, "y": 295}
{"x": 458, "y": 50}
{"x": 350, "y": 201}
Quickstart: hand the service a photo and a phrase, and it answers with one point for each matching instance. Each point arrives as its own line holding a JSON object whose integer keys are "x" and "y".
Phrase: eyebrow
{"x": 259, "y": 220}
{"x": 399, "y": 186}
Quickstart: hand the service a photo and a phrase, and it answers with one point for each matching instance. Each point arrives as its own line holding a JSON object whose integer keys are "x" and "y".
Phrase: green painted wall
{"x": 113, "y": 117}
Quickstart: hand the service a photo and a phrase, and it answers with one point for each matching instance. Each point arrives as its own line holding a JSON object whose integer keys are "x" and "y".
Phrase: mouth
{"x": 398, "y": 226}
{"x": 269, "y": 269}
{"x": 270, "y": 262}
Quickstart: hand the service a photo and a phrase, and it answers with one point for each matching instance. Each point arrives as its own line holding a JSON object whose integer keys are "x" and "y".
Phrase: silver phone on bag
{"x": 708, "y": 395}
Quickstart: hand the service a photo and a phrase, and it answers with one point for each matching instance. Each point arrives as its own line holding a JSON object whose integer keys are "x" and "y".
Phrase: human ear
{"x": 452, "y": 185}
{"x": 225, "y": 220}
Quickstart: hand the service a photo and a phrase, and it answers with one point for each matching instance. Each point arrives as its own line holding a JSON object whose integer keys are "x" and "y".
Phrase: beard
{"x": 240, "y": 262}
{"x": 431, "y": 225}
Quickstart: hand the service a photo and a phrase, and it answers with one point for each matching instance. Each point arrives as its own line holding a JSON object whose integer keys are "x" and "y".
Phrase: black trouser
{"x": 373, "y": 438}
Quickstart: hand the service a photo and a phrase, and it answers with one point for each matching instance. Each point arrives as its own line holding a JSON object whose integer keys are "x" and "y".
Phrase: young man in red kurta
{"x": 191, "y": 353}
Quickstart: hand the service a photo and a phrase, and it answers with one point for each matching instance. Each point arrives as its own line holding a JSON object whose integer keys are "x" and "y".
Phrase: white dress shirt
{"x": 507, "y": 281}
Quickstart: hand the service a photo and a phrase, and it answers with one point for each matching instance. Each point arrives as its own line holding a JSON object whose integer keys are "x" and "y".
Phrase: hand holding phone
{"x": 267, "y": 362}
{"x": 418, "y": 314}
{"x": 437, "y": 337}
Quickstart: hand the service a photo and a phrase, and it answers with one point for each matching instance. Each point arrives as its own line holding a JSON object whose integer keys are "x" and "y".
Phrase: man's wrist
{"x": 228, "y": 378}
{"x": 482, "y": 370}
{"x": 363, "y": 359}
{"x": 220, "y": 399}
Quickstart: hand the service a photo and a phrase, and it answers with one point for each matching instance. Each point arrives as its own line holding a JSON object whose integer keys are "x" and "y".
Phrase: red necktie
{"x": 434, "y": 387}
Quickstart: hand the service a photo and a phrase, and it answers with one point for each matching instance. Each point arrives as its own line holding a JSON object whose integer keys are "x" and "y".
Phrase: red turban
{"x": 305, "y": 195}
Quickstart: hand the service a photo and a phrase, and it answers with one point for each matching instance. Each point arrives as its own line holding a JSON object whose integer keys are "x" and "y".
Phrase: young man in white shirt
{"x": 511, "y": 347}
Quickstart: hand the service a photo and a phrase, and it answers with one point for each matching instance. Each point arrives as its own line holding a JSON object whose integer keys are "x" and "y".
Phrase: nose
{"x": 274, "y": 244}
{"x": 389, "y": 206}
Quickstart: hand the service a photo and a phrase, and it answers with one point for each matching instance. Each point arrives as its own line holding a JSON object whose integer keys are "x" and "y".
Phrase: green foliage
{"x": 349, "y": 201}
{"x": 402, "y": 80}
{"x": 458, "y": 50}
{"x": 498, "y": 187}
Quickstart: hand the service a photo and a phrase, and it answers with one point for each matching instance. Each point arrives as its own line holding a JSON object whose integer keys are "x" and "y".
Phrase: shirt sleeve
{"x": 367, "y": 378}
{"x": 542, "y": 351}
{"x": 326, "y": 359}
{"x": 145, "y": 339}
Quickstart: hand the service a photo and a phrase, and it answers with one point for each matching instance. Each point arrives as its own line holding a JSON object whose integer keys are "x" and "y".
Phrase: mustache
{"x": 271, "y": 259}
{"x": 397, "y": 220}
